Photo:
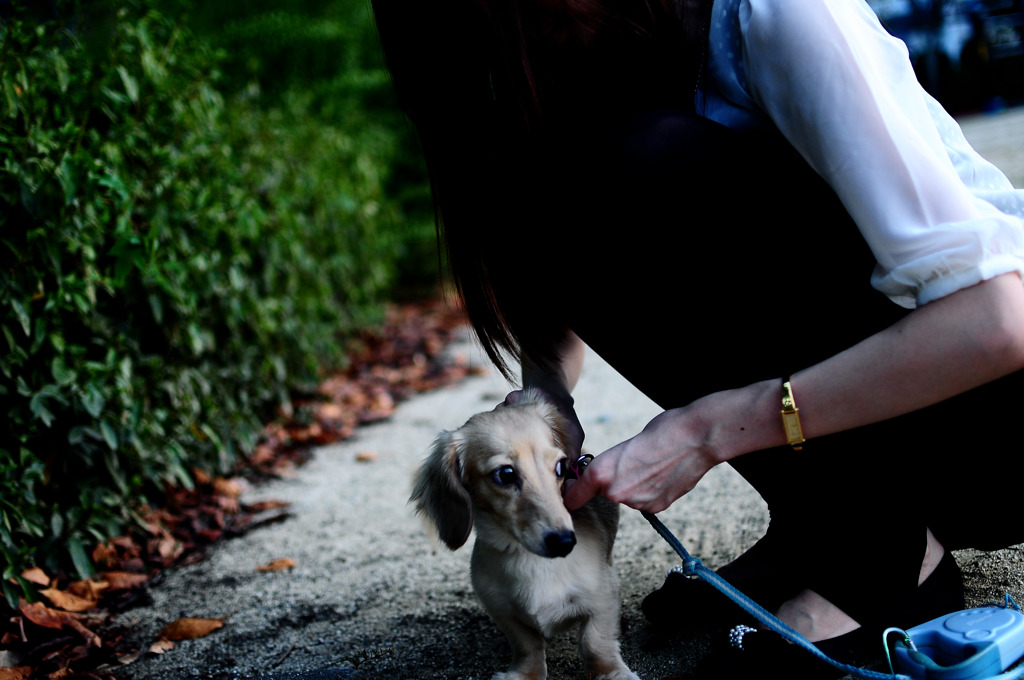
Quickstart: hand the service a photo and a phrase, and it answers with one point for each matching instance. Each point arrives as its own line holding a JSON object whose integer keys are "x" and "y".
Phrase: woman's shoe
{"x": 750, "y": 653}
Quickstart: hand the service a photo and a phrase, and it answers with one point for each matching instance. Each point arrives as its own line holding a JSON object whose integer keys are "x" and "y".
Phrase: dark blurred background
{"x": 969, "y": 54}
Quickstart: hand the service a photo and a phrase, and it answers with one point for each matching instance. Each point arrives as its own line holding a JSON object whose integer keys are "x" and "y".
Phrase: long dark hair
{"x": 494, "y": 87}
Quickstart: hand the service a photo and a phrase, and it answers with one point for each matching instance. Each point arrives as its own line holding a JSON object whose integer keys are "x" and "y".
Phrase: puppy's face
{"x": 514, "y": 468}
{"x": 509, "y": 466}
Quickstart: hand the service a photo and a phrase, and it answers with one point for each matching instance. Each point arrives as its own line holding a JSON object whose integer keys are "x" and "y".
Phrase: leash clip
{"x": 576, "y": 469}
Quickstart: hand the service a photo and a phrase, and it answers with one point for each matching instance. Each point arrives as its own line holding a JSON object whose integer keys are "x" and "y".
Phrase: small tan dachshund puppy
{"x": 537, "y": 569}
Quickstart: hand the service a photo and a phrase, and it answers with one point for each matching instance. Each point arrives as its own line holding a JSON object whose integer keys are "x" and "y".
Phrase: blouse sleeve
{"x": 843, "y": 92}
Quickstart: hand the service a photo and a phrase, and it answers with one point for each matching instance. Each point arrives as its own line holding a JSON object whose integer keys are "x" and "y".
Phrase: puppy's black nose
{"x": 560, "y": 543}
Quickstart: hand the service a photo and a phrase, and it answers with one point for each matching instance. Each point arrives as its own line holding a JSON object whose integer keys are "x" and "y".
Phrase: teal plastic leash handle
{"x": 692, "y": 566}
{"x": 973, "y": 644}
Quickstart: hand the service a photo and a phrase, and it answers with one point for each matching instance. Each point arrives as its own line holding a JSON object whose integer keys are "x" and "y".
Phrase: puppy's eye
{"x": 560, "y": 467}
{"x": 504, "y": 476}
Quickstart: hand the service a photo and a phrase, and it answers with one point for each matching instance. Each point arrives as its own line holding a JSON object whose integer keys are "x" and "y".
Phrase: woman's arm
{"x": 557, "y": 380}
{"x": 940, "y": 350}
{"x": 844, "y": 93}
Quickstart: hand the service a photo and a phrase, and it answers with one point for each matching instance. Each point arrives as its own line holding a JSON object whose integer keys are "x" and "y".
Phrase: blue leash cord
{"x": 692, "y": 566}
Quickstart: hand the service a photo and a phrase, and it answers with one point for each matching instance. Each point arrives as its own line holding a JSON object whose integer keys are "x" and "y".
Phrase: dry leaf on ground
{"x": 227, "y": 487}
{"x": 190, "y": 628}
{"x": 88, "y": 589}
{"x": 67, "y": 601}
{"x": 277, "y": 565}
{"x": 41, "y": 615}
{"x": 37, "y": 576}
{"x": 161, "y": 646}
{"x": 123, "y": 580}
{"x": 262, "y": 506}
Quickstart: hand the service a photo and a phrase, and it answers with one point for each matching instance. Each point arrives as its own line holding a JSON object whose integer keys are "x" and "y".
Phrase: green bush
{"x": 317, "y": 65}
{"x": 172, "y": 261}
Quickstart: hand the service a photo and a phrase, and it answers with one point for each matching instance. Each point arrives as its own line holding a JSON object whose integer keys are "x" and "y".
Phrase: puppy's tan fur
{"x": 530, "y": 594}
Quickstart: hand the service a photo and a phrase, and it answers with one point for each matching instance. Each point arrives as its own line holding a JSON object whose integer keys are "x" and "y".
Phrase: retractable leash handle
{"x": 692, "y": 566}
{"x": 972, "y": 644}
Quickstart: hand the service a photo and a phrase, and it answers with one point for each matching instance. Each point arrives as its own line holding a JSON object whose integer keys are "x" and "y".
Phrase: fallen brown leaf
{"x": 67, "y": 601}
{"x": 123, "y": 580}
{"x": 103, "y": 553}
{"x": 16, "y": 672}
{"x": 89, "y": 589}
{"x": 132, "y": 657}
{"x": 262, "y": 506}
{"x": 366, "y": 456}
{"x": 41, "y": 615}
{"x": 161, "y": 646}
{"x": 331, "y": 411}
{"x": 37, "y": 576}
{"x": 167, "y": 547}
{"x": 190, "y": 628}
{"x": 227, "y": 487}
{"x": 277, "y": 565}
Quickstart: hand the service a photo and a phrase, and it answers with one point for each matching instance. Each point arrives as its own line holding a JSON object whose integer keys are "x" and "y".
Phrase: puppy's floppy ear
{"x": 440, "y": 494}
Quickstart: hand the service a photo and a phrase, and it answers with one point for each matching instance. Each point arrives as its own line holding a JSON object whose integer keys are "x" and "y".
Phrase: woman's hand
{"x": 651, "y": 470}
{"x": 678, "y": 447}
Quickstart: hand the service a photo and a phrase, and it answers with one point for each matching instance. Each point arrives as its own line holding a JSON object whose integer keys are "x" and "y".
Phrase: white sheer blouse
{"x": 937, "y": 216}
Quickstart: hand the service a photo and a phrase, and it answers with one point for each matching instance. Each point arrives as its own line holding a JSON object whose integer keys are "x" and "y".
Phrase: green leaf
{"x": 115, "y": 184}
{"x": 76, "y": 435}
{"x": 61, "y": 373}
{"x": 131, "y": 85}
{"x": 92, "y": 400}
{"x": 114, "y": 469}
{"x": 156, "y": 305}
{"x": 109, "y": 433}
{"x": 22, "y": 315}
{"x": 83, "y": 565}
{"x": 37, "y": 405}
{"x": 56, "y": 523}
{"x": 60, "y": 65}
{"x": 68, "y": 181}
{"x": 11, "y": 594}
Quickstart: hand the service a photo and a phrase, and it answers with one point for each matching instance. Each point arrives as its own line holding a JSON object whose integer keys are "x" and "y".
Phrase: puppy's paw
{"x": 512, "y": 675}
